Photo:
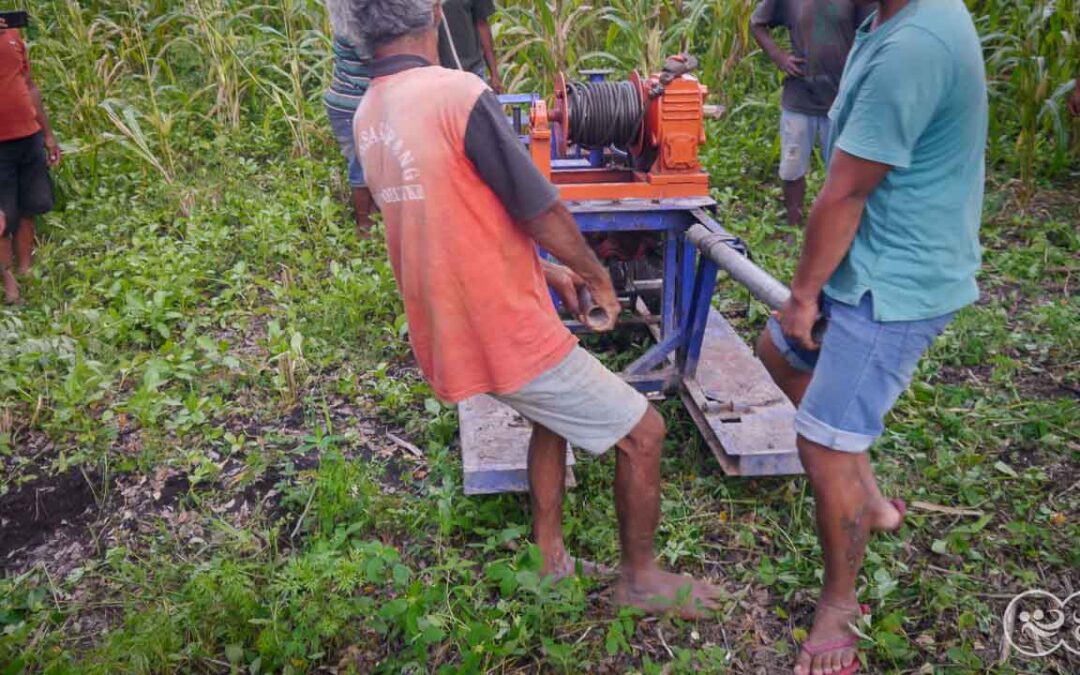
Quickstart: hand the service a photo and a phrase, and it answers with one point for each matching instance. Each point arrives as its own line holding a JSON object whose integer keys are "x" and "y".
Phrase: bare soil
{"x": 36, "y": 511}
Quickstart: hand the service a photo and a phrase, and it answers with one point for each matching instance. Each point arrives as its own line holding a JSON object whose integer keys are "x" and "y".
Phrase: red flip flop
{"x": 819, "y": 648}
{"x": 900, "y": 505}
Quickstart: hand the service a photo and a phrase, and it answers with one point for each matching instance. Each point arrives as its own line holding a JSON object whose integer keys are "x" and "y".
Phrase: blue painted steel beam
{"x": 687, "y": 265}
{"x": 650, "y": 386}
{"x": 518, "y": 99}
{"x": 557, "y": 164}
{"x": 616, "y": 221}
{"x": 704, "y": 282}
{"x": 671, "y": 267}
{"x": 657, "y": 354}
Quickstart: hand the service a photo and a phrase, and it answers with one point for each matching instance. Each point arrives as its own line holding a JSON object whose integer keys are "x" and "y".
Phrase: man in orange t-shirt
{"x": 27, "y": 150}
{"x": 464, "y": 209}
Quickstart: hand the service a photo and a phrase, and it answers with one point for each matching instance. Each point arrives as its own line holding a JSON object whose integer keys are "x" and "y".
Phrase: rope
{"x": 603, "y": 113}
{"x": 450, "y": 41}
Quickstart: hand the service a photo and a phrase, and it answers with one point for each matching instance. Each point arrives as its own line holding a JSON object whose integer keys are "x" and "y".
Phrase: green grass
{"x": 209, "y": 357}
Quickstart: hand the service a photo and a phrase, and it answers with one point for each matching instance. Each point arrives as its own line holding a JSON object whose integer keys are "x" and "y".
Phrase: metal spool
{"x": 599, "y": 114}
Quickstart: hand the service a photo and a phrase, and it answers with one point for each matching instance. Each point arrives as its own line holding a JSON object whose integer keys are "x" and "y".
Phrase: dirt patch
{"x": 33, "y": 512}
{"x": 61, "y": 520}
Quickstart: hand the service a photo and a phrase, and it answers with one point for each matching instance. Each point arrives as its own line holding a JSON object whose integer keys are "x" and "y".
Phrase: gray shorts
{"x": 582, "y": 401}
{"x": 797, "y": 135}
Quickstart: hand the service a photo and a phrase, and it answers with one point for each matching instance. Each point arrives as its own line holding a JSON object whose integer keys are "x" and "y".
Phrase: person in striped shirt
{"x": 349, "y": 83}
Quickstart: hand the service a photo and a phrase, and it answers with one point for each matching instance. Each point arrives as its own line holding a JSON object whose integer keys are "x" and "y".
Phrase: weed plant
{"x": 209, "y": 350}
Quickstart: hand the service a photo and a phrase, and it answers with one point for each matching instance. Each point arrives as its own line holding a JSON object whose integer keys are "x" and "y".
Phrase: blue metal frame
{"x": 520, "y": 107}
{"x": 688, "y": 282}
{"x": 687, "y": 291}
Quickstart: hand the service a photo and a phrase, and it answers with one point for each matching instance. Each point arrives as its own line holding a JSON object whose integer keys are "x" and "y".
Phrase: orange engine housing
{"x": 674, "y": 126}
{"x": 666, "y": 163}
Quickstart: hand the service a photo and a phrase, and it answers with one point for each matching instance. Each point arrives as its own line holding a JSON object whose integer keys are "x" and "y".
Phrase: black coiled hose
{"x": 603, "y": 113}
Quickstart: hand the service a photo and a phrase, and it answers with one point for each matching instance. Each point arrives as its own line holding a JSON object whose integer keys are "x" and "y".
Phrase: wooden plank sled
{"x": 744, "y": 417}
{"x": 495, "y": 448}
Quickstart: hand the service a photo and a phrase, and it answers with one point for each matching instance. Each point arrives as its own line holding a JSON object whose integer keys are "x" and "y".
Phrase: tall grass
{"x": 1031, "y": 50}
{"x": 146, "y": 71}
{"x": 1032, "y": 59}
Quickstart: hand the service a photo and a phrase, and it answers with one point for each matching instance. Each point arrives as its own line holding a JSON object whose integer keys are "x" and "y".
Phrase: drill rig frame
{"x": 654, "y": 188}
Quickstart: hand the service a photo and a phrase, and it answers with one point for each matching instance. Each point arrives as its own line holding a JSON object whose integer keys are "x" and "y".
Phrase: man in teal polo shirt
{"x": 891, "y": 253}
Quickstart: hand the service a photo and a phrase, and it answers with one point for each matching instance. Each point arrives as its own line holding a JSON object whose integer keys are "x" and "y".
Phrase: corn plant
{"x": 125, "y": 119}
{"x": 216, "y": 32}
{"x": 545, "y": 37}
{"x": 1032, "y": 59}
{"x": 301, "y": 57}
{"x": 723, "y": 41}
{"x": 287, "y": 361}
{"x": 87, "y": 80}
{"x": 716, "y": 31}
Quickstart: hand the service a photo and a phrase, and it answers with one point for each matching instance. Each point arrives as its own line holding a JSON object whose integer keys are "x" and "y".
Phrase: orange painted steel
{"x": 672, "y": 131}
{"x": 540, "y": 138}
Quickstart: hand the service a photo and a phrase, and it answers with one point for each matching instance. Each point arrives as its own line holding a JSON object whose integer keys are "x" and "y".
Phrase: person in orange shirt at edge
{"x": 27, "y": 150}
{"x": 464, "y": 209}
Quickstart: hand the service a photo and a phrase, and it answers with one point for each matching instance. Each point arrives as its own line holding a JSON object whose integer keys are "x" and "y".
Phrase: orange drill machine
{"x": 625, "y": 157}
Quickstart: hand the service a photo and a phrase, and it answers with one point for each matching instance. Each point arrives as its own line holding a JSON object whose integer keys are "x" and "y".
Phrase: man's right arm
{"x": 764, "y": 18}
{"x": 530, "y": 199}
{"x": 557, "y": 233}
{"x": 788, "y": 63}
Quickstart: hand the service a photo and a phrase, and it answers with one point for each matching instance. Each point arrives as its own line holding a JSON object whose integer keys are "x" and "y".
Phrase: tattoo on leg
{"x": 856, "y": 536}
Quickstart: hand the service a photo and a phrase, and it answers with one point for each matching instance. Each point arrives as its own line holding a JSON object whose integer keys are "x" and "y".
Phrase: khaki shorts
{"x": 582, "y": 401}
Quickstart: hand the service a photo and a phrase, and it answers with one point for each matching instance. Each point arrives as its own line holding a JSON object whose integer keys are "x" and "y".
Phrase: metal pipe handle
{"x": 760, "y": 283}
{"x": 595, "y": 316}
{"x": 713, "y": 240}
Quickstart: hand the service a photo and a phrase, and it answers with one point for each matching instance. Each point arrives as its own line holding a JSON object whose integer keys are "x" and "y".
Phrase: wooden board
{"x": 744, "y": 417}
{"x": 742, "y": 414}
{"x": 495, "y": 447}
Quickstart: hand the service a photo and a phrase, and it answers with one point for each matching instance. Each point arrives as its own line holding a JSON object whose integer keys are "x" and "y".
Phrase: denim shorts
{"x": 798, "y": 132}
{"x": 341, "y": 123}
{"x": 582, "y": 401}
{"x": 862, "y": 368}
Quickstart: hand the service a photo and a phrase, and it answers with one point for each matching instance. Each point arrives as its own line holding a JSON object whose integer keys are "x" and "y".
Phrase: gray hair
{"x": 340, "y": 12}
{"x": 377, "y": 22}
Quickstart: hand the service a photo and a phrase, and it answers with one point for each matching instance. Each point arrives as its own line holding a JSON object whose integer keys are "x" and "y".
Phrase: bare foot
{"x": 568, "y": 567}
{"x": 887, "y": 515}
{"x": 364, "y": 225}
{"x": 11, "y": 288}
{"x": 659, "y": 592}
{"x": 830, "y": 646}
